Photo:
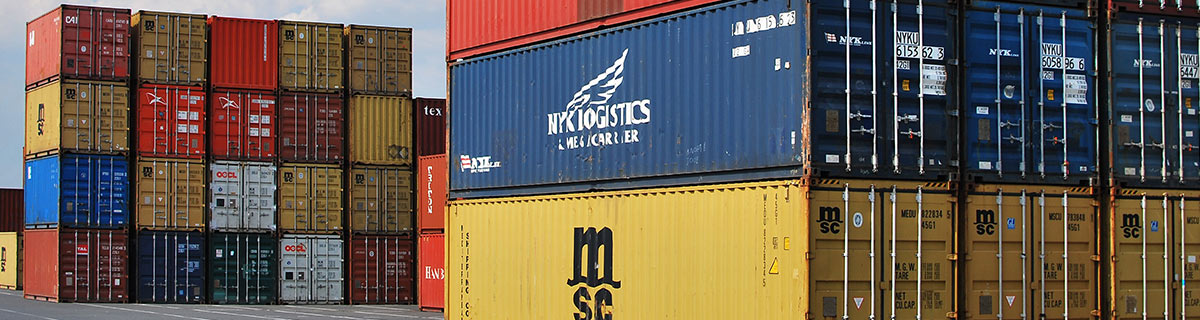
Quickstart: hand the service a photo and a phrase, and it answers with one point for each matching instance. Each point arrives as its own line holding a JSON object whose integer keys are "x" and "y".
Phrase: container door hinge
{"x": 1095, "y": 313}
{"x": 952, "y": 315}
{"x": 952, "y": 257}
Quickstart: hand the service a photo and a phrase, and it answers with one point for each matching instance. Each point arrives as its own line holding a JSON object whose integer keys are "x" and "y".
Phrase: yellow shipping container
{"x": 1155, "y": 242}
{"x": 310, "y": 198}
{"x": 733, "y": 251}
{"x": 381, "y": 130}
{"x": 12, "y": 261}
{"x": 76, "y": 115}
{"x": 170, "y": 194}
{"x": 310, "y": 56}
{"x": 171, "y": 47}
{"x": 380, "y": 60}
{"x": 381, "y": 200}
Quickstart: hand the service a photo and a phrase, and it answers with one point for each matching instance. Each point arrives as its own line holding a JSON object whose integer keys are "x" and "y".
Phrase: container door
{"x": 1186, "y": 242}
{"x": 260, "y": 127}
{"x": 1183, "y": 44}
{"x": 77, "y": 181}
{"x": 258, "y": 186}
{"x": 295, "y": 126}
{"x": 327, "y": 269}
{"x": 295, "y": 68}
{"x": 295, "y": 193}
{"x": 187, "y": 186}
{"x": 1063, "y": 131}
{"x": 1141, "y": 249}
{"x": 328, "y": 127}
{"x": 432, "y": 264}
{"x": 78, "y": 116}
{"x": 112, "y": 117}
{"x": 846, "y": 88}
{"x": 327, "y": 63}
{"x": 397, "y": 200}
{"x": 294, "y": 266}
{"x": 111, "y": 191}
{"x": 844, "y": 240}
{"x": 918, "y": 246}
{"x": 1063, "y": 225}
{"x": 995, "y": 128}
{"x": 1138, "y": 101}
{"x": 154, "y": 121}
{"x": 187, "y": 121}
{"x": 153, "y": 185}
{"x": 996, "y": 272}
{"x": 226, "y": 196}
{"x": 921, "y": 49}
{"x": 327, "y": 198}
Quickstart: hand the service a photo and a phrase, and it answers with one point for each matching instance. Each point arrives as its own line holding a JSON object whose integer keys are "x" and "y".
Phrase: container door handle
{"x": 1041, "y": 168}
{"x": 1166, "y": 256}
{"x": 1000, "y": 249}
{"x": 1162, "y": 102}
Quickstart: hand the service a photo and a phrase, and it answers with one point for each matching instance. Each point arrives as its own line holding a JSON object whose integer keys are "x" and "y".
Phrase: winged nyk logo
{"x": 589, "y": 120}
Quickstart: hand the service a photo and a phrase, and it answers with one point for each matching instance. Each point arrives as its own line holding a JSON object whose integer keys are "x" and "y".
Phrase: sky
{"x": 426, "y": 17}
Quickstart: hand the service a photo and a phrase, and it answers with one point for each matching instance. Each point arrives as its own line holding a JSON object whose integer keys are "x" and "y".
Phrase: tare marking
{"x": 908, "y": 45}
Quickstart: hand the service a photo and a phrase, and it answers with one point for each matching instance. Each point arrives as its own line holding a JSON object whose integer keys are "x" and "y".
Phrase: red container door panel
{"x": 41, "y": 269}
{"x": 312, "y": 127}
{"x": 431, "y": 268}
{"x": 80, "y": 43}
{"x": 242, "y": 125}
{"x": 243, "y": 53}
{"x": 381, "y": 270}
{"x": 431, "y": 192}
{"x": 171, "y": 121}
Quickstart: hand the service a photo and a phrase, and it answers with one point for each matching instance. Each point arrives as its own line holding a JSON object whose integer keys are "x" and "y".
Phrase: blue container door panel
{"x": 923, "y": 134}
{"x": 846, "y": 112}
{"x": 170, "y": 267}
{"x": 996, "y": 115}
{"x": 78, "y": 190}
{"x": 1139, "y": 146}
{"x": 1186, "y": 46}
{"x": 112, "y": 184}
{"x": 1063, "y": 135}
{"x": 42, "y": 184}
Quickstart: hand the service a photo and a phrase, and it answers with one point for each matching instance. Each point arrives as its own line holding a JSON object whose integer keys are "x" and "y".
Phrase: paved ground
{"x": 14, "y": 307}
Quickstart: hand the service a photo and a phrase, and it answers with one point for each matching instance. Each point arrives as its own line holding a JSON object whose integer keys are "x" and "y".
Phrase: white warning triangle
{"x": 1010, "y": 299}
{"x": 858, "y": 302}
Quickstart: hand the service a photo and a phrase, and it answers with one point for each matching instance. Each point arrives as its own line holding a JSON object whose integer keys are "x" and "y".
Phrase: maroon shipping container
{"x": 431, "y": 126}
{"x": 431, "y": 266}
{"x": 243, "y": 53}
{"x": 242, "y": 125}
{"x": 171, "y": 121}
{"x": 311, "y": 127}
{"x": 76, "y": 265}
{"x": 77, "y": 42}
{"x": 381, "y": 270}
{"x": 12, "y": 210}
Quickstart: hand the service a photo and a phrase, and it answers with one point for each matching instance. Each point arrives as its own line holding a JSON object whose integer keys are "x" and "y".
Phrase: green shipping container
{"x": 243, "y": 269}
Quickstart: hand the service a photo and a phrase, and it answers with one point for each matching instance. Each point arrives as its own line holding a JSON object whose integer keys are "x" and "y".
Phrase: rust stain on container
{"x": 77, "y": 116}
{"x": 381, "y": 130}
{"x": 170, "y": 194}
{"x": 310, "y": 56}
{"x": 310, "y": 198}
{"x": 380, "y": 60}
{"x": 381, "y": 200}
{"x": 171, "y": 48}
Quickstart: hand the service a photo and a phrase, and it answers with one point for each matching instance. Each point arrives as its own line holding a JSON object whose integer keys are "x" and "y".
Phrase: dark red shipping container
{"x": 242, "y": 125}
{"x": 381, "y": 270}
{"x": 171, "y": 121}
{"x": 1186, "y": 8}
{"x": 12, "y": 210}
{"x": 431, "y": 126}
{"x": 431, "y": 192}
{"x": 243, "y": 53}
{"x": 76, "y": 265}
{"x": 311, "y": 127}
{"x": 77, "y": 42}
{"x": 431, "y": 266}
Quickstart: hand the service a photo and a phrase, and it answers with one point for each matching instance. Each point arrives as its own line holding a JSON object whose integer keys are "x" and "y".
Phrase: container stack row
{"x": 431, "y": 203}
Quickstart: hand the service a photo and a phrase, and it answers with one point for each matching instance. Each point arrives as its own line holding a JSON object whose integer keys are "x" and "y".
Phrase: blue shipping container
{"x": 1030, "y": 94}
{"x": 76, "y": 191}
{"x": 170, "y": 267}
{"x": 1156, "y": 130}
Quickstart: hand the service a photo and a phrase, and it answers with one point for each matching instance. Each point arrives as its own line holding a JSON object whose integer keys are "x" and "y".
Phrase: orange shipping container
{"x": 170, "y": 194}
{"x": 381, "y": 200}
{"x": 310, "y": 198}
{"x": 76, "y": 265}
{"x": 431, "y": 270}
{"x": 431, "y": 192}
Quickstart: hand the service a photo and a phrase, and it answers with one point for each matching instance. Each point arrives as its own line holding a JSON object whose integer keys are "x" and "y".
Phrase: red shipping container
{"x": 171, "y": 121}
{"x": 311, "y": 127}
{"x": 480, "y": 27}
{"x": 77, "y": 42}
{"x": 432, "y": 180}
{"x": 76, "y": 265}
{"x": 431, "y": 126}
{"x": 242, "y": 125}
{"x": 431, "y": 265}
{"x": 243, "y": 53}
{"x": 12, "y": 210}
{"x": 381, "y": 270}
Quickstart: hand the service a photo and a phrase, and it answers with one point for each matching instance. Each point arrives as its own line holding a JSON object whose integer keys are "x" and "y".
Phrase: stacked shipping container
{"x": 12, "y": 225}
{"x": 431, "y": 203}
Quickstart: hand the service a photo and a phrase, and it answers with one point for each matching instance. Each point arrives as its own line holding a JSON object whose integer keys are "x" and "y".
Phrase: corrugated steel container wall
{"x": 310, "y": 198}
{"x": 381, "y": 270}
{"x": 1187, "y": 8}
{"x": 243, "y": 53}
{"x": 77, "y": 191}
{"x": 380, "y": 60}
{"x": 1154, "y": 240}
{"x": 310, "y": 56}
{"x": 170, "y": 267}
{"x": 170, "y": 194}
{"x": 11, "y": 260}
{"x": 77, "y": 42}
{"x": 242, "y": 125}
{"x": 77, "y": 116}
{"x": 1021, "y": 257}
{"x": 431, "y": 266}
{"x": 479, "y": 27}
{"x": 431, "y": 192}
{"x": 77, "y": 265}
{"x": 12, "y": 210}
{"x": 610, "y": 84}
{"x": 1031, "y": 95}
{"x": 1155, "y": 129}
{"x": 312, "y": 127}
{"x": 171, "y": 121}
{"x": 381, "y": 200}
{"x": 242, "y": 196}
{"x": 242, "y": 268}
{"x": 381, "y": 130}
{"x": 431, "y": 126}
{"x": 171, "y": 48}
{"x": 311, "y": 269}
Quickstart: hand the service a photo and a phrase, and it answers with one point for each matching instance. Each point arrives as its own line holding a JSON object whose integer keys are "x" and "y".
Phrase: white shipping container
{"x": 242, "y": 196}
{"x": 310, "y": 269}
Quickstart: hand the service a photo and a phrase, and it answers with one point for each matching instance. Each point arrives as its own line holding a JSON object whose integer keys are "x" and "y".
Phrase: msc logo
{"x": 829, "y": 219}
{"x": 295, "y": 248}
{"x": 41, "y": 122}
{"x": 360, "y": 179}
{"x": 985, "y": 222}
{"x": 1131, "y": 225}
{"x": 288, "y": 177}
{"x": 3, "y": 259}
{"x": 147, "y": 172}
{"x": 289, "y": 35}
{"x": 590, "y": 244}
{"x": 149, "y": 25}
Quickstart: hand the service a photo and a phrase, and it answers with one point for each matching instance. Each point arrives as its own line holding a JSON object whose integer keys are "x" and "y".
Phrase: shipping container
{"x": 170, "y": 267}
{"x": 77, "y": 191}
{"x": 1152, "y": 111}
{"x": 77, "y": 265}
{"x": 243, "y": 53}
{"x": 12, "y": 210}
{"x": 77, "y": 42}
{"x": 242, "y": 125}
{"x": 431, "y": 266}
{"x": 171, "y": 48}
{"x": 310, "y": 269}
{"x": 170, "y": 194}
{"x": 1031, "y": 99}
{"x": 431, "y": 193}
{"x": 1185, "y": 8}
{"x": 380, "y": 60}
{"x": 242, "y": 268}
{"x": 310, "y": 198}
{"x": 878, "y": 249}
{"x": 431, "y": 126}
{"x": 1151, "y": 232}
{"x": 310, "y": 56}
{"x": 77, "y": 116}
{"x": 381, "y": 200}
{"x": 381, "y": 130}
{"x": 312, "y": 127}
{"x": 242, "y": 196}
{"x": 1030, "y": 250}
{"x": 11, "y": 260}
{"x": 381, "y": 270}
{"x": 171, "y": 121}
{"x": 475, "y": 28}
